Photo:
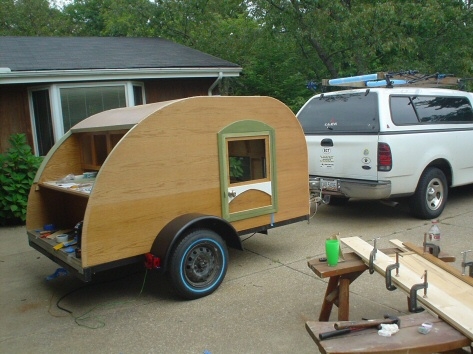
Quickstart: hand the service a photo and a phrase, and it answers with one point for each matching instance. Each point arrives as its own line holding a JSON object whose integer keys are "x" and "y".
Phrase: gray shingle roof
{"x": 89, "y": 53}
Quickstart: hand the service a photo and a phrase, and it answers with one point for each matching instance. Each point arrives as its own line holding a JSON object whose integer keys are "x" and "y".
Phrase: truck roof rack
{"x": 391, "y": 79}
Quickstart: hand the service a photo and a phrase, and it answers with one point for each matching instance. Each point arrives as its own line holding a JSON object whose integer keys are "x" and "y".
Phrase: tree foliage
{"x": 355, "y": 37}
{"x": 281, "y": 44}
{"x": 31, "y": 18}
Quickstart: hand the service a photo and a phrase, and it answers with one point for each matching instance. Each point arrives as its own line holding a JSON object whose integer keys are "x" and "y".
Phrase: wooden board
{"x": 447, "y": 267}
{"x": 441, "y": 338}
{"x": 352, "y": 263}
{"x": 447, "y": 296}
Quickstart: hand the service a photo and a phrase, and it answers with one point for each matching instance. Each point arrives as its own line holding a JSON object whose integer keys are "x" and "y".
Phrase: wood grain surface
{"x": 408, "y": 340}
{"x": 447, "y": 296}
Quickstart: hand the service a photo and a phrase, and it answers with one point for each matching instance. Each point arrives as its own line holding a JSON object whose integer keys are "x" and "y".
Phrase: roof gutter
{"x": 219, "y": 78}
{"x": 44, "y": 76}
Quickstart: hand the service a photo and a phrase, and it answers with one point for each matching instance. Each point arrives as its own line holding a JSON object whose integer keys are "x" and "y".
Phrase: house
{"x": 48, "y": 84}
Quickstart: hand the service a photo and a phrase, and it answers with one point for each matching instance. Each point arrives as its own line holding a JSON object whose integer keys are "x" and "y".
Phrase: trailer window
{"x": 247, "y": 159}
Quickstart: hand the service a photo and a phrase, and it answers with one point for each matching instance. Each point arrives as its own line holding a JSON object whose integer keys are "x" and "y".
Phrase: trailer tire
{"x": 431, "y": 194}
{"x": 198, "y": 264}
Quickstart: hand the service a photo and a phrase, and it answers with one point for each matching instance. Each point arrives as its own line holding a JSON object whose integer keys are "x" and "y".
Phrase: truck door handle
{"x": 326, "y": 142}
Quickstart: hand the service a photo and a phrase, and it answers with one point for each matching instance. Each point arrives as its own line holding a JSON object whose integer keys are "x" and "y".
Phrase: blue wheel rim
{"x": 203, "y": 265}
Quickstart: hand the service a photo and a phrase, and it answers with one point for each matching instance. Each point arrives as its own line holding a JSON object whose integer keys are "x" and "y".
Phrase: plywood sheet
{"x": 447, "y": 296}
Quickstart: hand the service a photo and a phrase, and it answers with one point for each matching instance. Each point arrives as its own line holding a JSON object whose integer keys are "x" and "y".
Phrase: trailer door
{"x": 247, "y": 170}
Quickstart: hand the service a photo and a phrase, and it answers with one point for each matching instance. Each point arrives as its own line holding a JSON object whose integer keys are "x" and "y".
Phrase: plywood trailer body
{"x": 189, "y": 175}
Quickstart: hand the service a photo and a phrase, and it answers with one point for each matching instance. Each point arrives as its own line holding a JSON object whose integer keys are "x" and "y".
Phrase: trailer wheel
{"x": 431, "y": 194}
{"x": 198, "y": 264}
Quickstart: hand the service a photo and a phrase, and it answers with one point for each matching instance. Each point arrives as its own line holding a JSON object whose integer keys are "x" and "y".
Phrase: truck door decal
{"x": 247, "y": 170}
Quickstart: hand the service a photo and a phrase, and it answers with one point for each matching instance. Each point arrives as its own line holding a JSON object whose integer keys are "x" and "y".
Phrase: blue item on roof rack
{"x": 353, "y": 79}
{"x": 384, "y": 83}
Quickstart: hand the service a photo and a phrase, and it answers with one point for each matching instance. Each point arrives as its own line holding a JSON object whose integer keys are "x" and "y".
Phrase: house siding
{"x": 171, "y": 89}
{"x": 15, "y": 113}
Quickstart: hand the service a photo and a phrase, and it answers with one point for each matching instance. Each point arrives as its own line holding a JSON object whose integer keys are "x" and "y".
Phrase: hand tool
{"x": 388, "y": 319}
{"x": 64, "y": 244}
{"x": 352, "y": 326}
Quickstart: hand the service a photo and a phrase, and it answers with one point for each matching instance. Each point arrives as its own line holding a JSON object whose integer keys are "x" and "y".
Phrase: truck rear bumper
{"x": 350, "y": 188}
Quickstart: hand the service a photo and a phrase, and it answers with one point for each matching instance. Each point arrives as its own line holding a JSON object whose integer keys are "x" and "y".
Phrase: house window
{"x": 138, "y": 94}
{"x": 58, "y": 108}
{"x": 78, "y": 103}
{"x": 42, "y": 121}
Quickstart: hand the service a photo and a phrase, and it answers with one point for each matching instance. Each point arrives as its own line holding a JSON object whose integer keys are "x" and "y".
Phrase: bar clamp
{"x": 466, "y": 264}
{"x": 389, "y": 284}
{"x": 413, "y": 294}
{"x": 373, "y": 256}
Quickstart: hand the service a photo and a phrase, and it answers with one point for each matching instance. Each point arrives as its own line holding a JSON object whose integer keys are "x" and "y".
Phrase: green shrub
{"x": 19, "y": 167}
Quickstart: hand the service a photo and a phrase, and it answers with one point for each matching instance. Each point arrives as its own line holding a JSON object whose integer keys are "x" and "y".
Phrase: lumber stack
{"x": 448, "y": 296}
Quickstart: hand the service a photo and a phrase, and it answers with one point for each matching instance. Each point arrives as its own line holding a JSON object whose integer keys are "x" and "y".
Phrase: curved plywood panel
{"x": 249, "y": 199}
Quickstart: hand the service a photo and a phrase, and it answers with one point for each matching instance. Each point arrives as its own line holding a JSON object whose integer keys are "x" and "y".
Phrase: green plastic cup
{"x": 332, "y": 250}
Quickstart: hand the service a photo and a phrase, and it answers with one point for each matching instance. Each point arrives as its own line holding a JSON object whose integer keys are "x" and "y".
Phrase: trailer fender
{"x": 172, "y": 232}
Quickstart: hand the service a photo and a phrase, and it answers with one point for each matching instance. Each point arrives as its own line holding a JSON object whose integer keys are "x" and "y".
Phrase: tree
{"x": 115, "y": 18}
{"x": 271, "y": 61}
{"x": 355, "y": 37}
{"x": 30, "y": 18}
{"x": 281, "y": 44}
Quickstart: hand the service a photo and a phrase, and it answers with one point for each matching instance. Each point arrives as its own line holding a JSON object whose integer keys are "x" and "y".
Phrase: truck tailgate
{"x": 344, "y": 156}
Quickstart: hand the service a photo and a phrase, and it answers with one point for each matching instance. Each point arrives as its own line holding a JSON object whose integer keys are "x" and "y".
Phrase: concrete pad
{"x": 261, "y": 307}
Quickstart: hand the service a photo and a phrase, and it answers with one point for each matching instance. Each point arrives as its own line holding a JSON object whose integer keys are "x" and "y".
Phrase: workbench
{"x": 340, "y": 278}
{"x": 441, "y": 338}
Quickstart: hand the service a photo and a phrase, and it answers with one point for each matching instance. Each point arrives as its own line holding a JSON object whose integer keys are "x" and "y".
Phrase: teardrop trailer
{"x": 171, "y": 184}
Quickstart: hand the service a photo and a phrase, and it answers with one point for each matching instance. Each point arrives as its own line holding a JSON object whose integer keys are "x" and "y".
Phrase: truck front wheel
{"x": 431, "y": 194}
{"x": 198, "y": 264}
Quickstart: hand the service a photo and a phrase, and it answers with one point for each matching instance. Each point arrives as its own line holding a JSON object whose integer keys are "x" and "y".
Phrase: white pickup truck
{"x": 385, "y": 143}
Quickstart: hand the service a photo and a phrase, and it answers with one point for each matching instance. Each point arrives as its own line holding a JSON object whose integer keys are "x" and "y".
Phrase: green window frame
{"x": 255, "y": 133}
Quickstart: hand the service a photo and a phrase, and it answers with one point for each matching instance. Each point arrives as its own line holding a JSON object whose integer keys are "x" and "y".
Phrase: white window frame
{"x": 32, "y": 117}
{"x": 56, "y": 108}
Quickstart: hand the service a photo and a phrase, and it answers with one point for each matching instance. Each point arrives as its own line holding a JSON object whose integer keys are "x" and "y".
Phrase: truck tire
{"x": 198, "y": 264}
{"x": 431, "y": 194}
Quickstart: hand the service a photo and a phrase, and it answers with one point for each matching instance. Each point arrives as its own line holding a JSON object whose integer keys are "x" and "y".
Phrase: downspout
{"x": 219, "y": 78}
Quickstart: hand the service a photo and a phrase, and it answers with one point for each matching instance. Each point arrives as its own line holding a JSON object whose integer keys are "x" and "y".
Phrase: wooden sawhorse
{"x": 338, "y": 288}
{"x": 341, "y": 276}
